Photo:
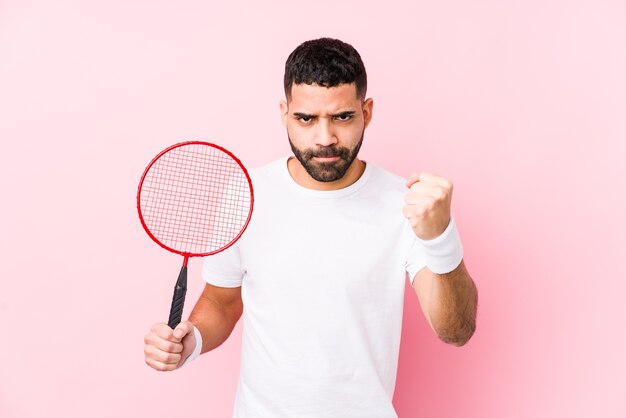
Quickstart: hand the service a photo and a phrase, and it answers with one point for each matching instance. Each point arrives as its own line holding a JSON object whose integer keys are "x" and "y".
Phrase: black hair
{"x": 326, "y": 62}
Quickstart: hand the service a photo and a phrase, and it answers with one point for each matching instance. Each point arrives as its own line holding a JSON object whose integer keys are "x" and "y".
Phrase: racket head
{"x": 195, "y": 199}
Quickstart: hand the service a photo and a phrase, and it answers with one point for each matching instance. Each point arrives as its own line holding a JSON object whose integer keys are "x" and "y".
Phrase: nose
{"x": 326, "y": 133}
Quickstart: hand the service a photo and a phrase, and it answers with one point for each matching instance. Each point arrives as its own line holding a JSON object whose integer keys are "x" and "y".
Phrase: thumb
{"x": 413, "y": 178}
{"x": 182, "y": 329}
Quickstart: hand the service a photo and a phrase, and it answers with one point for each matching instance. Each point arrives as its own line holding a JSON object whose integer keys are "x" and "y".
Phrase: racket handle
{"x": 178, "y": 300}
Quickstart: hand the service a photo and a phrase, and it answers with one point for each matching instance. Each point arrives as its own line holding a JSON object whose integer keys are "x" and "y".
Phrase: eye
{"x": 344, "y": 117}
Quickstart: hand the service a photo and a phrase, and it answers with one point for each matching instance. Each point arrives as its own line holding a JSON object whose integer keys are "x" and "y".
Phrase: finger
{"x": 435, "y": 179}
{"x": 160, "y": 366}
{"x": 418, "y": 185}
{"x": 417, "y": 211}
{"x": 409, "y": 214}
{"x": 408, "y": 211}
{"x": 424, "y": 192}
{"x": 413, "y": 178}
{"x": 421, "y": 198}
{"x": 162, "y": 344}
{"x": 427, "y": 189}
{"x": 182, "y": 329}
{"x": 161, "y": 356}
{"x": 163, "y": 331}
{"x": 424, "y": 178}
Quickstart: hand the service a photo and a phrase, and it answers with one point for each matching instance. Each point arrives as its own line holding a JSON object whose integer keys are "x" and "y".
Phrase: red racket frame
{"x": 184, "y": 254}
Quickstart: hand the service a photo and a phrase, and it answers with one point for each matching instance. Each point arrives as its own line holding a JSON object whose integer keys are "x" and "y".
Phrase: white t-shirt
{"x": 322, "y": 276}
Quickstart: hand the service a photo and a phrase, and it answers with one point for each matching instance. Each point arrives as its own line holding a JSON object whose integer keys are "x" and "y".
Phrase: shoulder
{"x": 269, "y": 178}
{"x": 384, "y": 181}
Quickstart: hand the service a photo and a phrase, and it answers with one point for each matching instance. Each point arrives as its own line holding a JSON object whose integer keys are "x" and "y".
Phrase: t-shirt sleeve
{"x": 224, "y": 268}
{"x": 415, "y": 259}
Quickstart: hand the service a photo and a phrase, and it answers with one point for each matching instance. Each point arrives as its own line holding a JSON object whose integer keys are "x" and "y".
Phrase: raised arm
{"x": 446, "y": 292}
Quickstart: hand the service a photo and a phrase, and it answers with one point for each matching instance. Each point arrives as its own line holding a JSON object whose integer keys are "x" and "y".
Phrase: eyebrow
{"x": 307, "y": 115}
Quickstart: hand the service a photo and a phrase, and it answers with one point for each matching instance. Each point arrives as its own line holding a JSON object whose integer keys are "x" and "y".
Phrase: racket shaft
{"x": 178, "y": 300}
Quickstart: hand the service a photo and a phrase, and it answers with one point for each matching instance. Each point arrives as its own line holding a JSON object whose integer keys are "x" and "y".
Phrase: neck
{"x": 302, "y": 178}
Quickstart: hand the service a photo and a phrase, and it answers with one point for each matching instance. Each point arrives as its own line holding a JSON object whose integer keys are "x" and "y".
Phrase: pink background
{"x": 521, "y": 104}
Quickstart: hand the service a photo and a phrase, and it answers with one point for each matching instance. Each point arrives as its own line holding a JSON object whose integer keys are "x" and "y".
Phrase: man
{"x": 321, "y": 268}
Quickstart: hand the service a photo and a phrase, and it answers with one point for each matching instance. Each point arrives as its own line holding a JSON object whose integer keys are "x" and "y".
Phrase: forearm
{"x": 214, "y": 321}
{"x": 453, "y": 305}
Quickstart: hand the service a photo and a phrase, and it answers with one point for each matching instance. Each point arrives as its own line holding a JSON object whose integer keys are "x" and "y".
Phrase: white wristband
{"x": 196, "y": 351}
{"x": 444, "y": 253}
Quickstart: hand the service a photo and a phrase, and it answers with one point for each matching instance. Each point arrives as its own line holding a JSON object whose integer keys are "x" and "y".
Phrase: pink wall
{"x": 521, "y": 104}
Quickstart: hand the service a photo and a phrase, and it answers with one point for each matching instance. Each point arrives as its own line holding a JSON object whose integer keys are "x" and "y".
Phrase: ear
{"x": 368, "y": 108}
{"x": 284, "y": 111}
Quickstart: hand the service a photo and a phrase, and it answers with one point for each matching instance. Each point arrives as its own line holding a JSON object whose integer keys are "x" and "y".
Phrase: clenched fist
{"x": 427, "y": 205}
{"x": 166, "y": 349}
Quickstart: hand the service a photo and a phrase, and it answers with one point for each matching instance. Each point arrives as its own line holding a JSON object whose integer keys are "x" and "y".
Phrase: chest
{"x": 314, "y": 245}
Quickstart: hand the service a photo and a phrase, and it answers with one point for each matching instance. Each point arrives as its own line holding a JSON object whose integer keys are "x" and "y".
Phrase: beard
{"x": 326, "y": 171}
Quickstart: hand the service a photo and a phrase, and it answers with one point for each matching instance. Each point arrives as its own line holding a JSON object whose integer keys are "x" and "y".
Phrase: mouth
{"x": 326, "y": 159}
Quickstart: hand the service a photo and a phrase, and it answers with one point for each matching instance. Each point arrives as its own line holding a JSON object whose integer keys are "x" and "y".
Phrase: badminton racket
{"x": 194, "y": 199}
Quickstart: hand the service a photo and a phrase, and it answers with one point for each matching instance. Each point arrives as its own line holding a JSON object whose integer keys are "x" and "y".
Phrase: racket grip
{"x": 178, "y": 300}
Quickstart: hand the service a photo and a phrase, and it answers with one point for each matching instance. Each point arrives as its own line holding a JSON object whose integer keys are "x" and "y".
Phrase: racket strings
{"x": 195, "y": 199}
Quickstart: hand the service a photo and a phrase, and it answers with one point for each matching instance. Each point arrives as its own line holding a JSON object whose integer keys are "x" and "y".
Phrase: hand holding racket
{"x": 194, "y": 199}
{"x": 166, "y": 349}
